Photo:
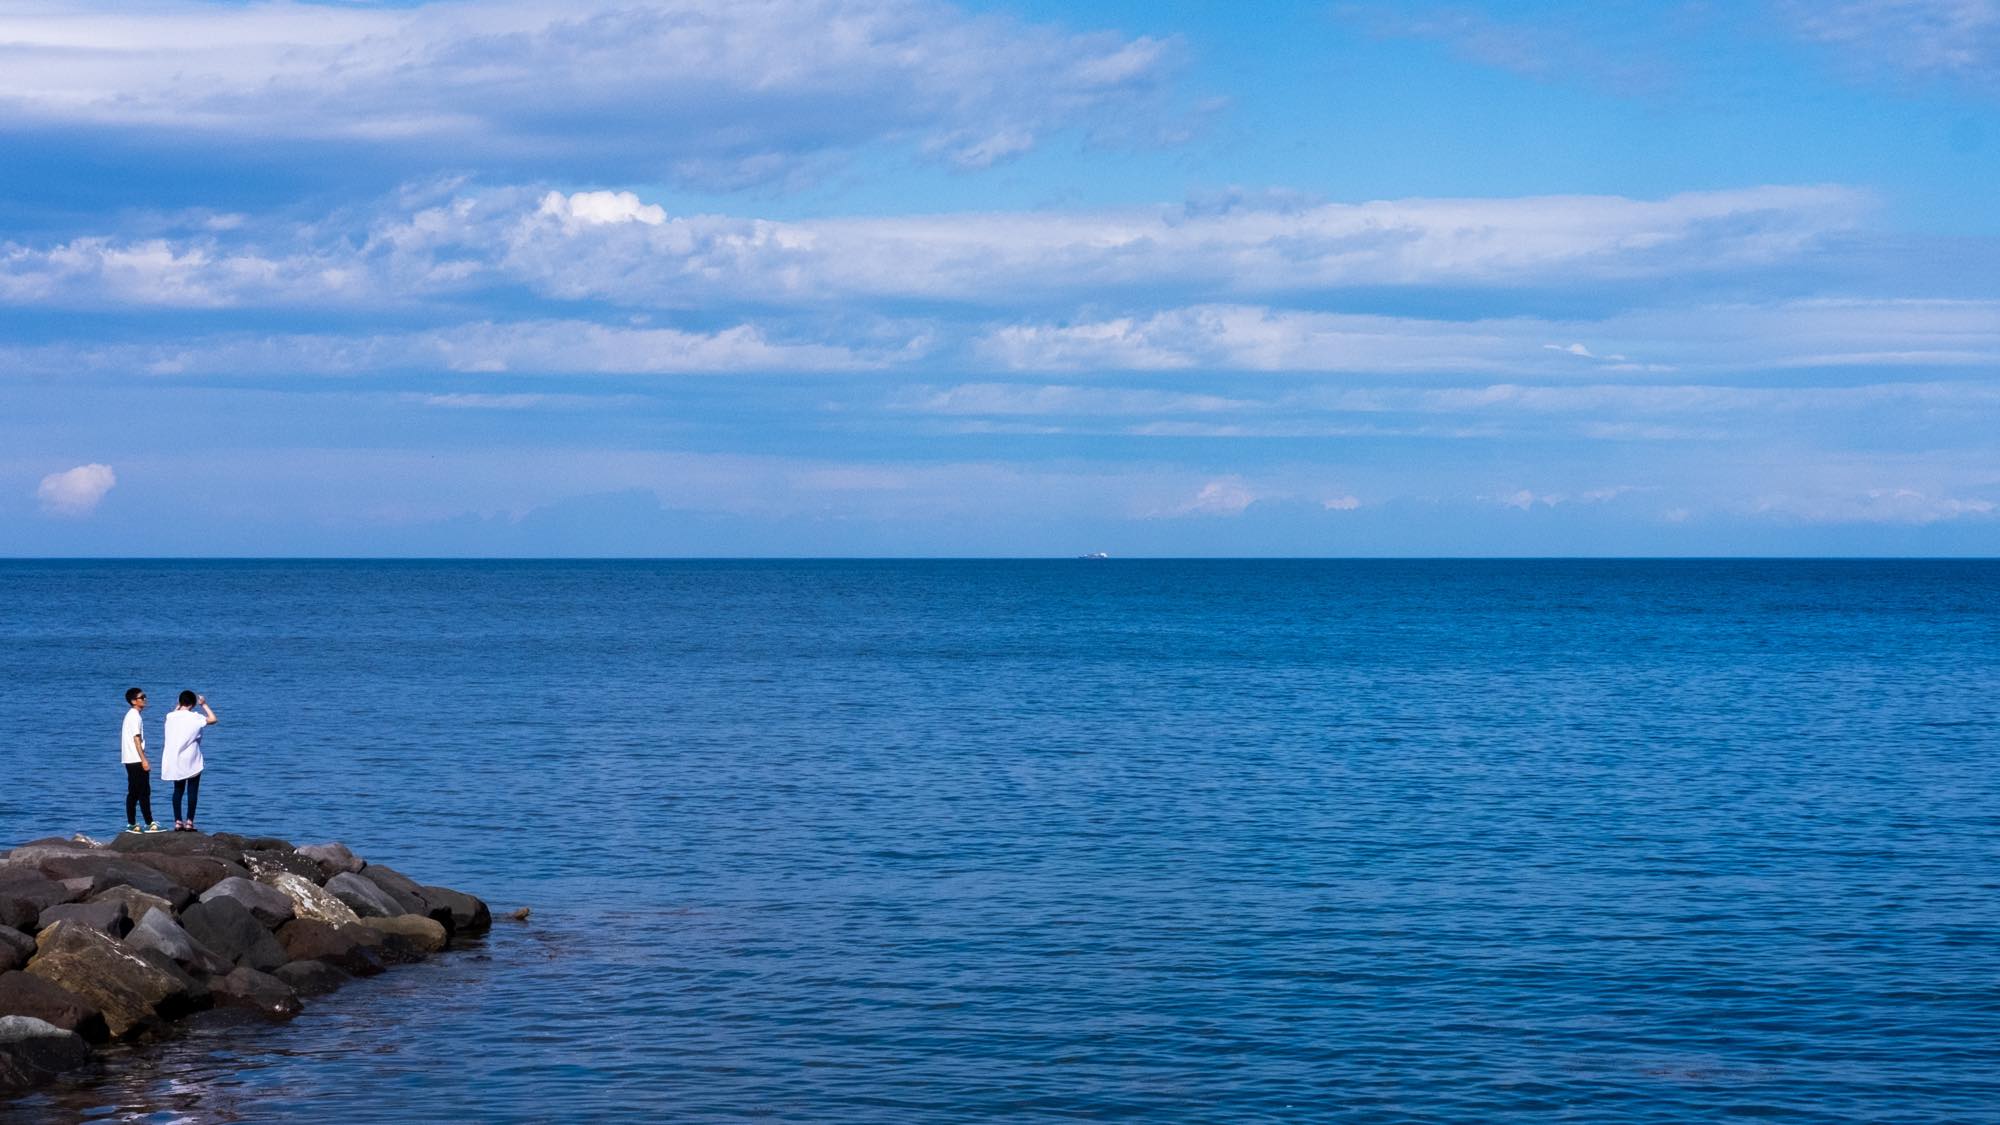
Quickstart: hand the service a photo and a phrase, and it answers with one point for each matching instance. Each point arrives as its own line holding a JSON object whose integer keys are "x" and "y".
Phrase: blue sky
{"x": 896, "y": 277}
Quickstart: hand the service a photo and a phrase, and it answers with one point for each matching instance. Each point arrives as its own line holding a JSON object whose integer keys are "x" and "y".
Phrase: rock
{"x": 265, "y": 863}
{"x": 15, "y": 948}
{"x": 131, "y": 991}
{"x": 407, "y": 937}
{"x": 310, "y": 978}
{"x": 158, "y": 930}
{"x": 105, "y": 917}
{"x": 24, "y": 994}
{"x": 136, "y": 901}
{"x": 333, "y": 859}
{"x": 231, "y": 932}
{"x": 272, "y": 907}
{"x": 199, "y": 996}
{"x": 409, "y": 897}
{"x": 363, "y": 897}
{"x": 33, "y": 1051}
{"x": 183, "y": 844}
{"x": 23, "y": 899}
{"x": 521, "y": 915}
{"x": 353, "y": 947}
{"x": 260, "y": 992}
{"x": 195, "y": 872}
{"x": 104, "y": 869}
{"x": 57, "y": 842}
{"x": 32, "y": 855}
{"x": 468, "y": 914}
{"x": 264, "y": 844}
{"x": 308, "y": 900}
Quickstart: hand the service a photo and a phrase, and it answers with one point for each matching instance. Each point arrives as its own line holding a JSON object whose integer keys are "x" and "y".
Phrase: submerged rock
{"x": 260, "y": 992}
{"x": 311, "y": 978}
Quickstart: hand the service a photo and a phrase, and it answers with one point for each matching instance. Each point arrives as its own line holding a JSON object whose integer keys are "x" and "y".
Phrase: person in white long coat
{"x": 180, "y": 756}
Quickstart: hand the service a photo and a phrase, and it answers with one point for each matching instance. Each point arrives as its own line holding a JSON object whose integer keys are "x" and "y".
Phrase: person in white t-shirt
{"x": 180, "y": 753}
{"x": 138, "y": 771}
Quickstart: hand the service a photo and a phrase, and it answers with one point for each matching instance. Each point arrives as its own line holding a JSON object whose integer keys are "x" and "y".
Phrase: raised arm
{"x": 201, "y": 701}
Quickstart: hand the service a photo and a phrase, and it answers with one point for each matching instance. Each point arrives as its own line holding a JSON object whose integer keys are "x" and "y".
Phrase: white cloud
{"x": 1874, "y": 505}
{"x": 724, "y": 91}
{"x": 1923, "y": 38}
{"x": 1341, "y": 504}
{"x": 75, "y": 492}
{"x": 1224, "y": 496}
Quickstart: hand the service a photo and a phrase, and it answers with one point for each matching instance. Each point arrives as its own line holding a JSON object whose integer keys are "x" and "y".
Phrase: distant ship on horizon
{"x": 1094, "y": 555}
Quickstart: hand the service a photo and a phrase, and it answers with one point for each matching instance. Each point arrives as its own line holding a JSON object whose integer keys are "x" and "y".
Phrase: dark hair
{"x": 132, "y": 693}
{"x": 187, "y": 699}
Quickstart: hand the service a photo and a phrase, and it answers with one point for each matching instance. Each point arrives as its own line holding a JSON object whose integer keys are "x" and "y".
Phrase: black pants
{"x": 138, "y": 793}
{"x": 192, "y": 787}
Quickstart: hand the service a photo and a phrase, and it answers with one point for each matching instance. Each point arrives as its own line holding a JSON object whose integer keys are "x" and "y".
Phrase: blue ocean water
{"x": 1436, "y": 841}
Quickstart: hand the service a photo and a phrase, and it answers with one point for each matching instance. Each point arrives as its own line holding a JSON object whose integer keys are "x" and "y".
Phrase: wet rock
{"x": 363, "y": 897}
{"x": 158, "y": 930}
{"x": 407, "y": 937}
{"x": 311, "y": 978}
{"x": 333, "y": 859}
{"x": 522, "y": 914}
{"x": 104, "y": 869}
{"x": 353, "y": 947}
{"x": 263, "y": 863}
{"x": 271, "y": 906}
{"x": 308, "y": 899}
{"x": 15, "y": 948}
{"x": 105, "y": 917}
{"x": 131, "y": 991}
{"x": 34, "y": 1051}
{"x": 262, "y": 993}
{"x": 195, "y": 872}
{"x": 24, "y": 994}
{"x": 198, "y": 995}
{"x": 468, "y": 914}
{"x": 231, "y": 932}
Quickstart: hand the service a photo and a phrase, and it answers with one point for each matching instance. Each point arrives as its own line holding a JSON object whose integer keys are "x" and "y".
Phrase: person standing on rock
{"x": 138, "y": 771}
{"x": 180, "y": 753}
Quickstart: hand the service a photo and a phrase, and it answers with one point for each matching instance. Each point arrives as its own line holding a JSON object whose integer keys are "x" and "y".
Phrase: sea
{"x": 1041, "y": 840}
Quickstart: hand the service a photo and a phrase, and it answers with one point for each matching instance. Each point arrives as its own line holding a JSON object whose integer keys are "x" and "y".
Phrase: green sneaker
{"x": 154, "y": 826}
{"x": 133, "y": 828}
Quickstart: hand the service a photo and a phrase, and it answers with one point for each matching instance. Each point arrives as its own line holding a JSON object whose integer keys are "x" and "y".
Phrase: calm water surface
{"x": 940, "y": 841}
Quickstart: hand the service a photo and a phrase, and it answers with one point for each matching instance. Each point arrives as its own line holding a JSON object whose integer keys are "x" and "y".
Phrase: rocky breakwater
{"x": 114, "y": 941}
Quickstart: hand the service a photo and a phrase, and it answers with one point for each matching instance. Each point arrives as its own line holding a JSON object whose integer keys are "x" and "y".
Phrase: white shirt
{"x": 180, "y": 745}
{"x": 126, "y": 753}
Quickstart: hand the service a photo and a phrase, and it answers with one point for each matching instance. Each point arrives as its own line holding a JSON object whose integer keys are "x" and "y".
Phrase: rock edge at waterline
{"x": 113, "y": 941}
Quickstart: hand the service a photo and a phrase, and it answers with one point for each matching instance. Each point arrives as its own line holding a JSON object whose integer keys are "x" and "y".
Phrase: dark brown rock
{"x": 333, "y": 858}
{"x": 23, "y": 898}
{"x": 105, "y": 870}
{"x": 262, "y": 993}
{"x": 311, "y": 978}
{"x": 407, "y": 937}
{"x": 158, "y": 930}
{"x": 198, "y": 994}
{"x": 135, "y": 901}
{"x": 468, "y": 914}
{"x": 408, "y": 895}
{"x": 25, "y": 994}
{"x": 231, "y": 932}
{"x": 132, "y": 992}
{"x": 353, "y": 947}
{"x": 195, "y": 872}
{"x": 262, "y": 863}
{"x": 105, "y": 917}
{"x": 177, "y": 844}
{"x": 15, "y": 948}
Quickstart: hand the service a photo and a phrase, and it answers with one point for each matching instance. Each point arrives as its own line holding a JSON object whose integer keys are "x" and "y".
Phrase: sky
{"x": 916, "y": 278}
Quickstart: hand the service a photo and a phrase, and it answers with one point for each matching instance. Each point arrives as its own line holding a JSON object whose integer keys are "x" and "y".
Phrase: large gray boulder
{"x": 310, "y": 978}
{"x": 107, "y": 917}
{"x": 33, "y": 1051}
{"x": 271, "y": 907}
{"x": 231, "y": 932}
{"x": 106, "y": 870}
{"x": 198, "y": 994}
{"x": 333, "y": 859}
{"x": 136, "y": 901}
{"x": 22, "y": 994}
{"x": 195, "y": 872}
{"x": 363, "y": 897}
{"x": 133, "y": 993}
{"x": 158, "y": 930}
{"x": 353, "y": 947}
{"x": 468, "y": 914}
{"x": 260, "y": 992}
{"x": 15, "y": 948}
{"x": 32, "y": 855}
{"x": 408, "y": 895}
{"x": 309, "y": 900}
{"x": 407, "y": 937}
